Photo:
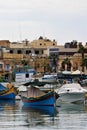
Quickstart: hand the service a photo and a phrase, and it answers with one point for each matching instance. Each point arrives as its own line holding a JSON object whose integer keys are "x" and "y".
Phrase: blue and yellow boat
{"x": 7, "y": 91}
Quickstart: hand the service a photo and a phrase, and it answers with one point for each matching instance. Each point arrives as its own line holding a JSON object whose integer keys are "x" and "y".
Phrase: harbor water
{"x": 15, "y": 116}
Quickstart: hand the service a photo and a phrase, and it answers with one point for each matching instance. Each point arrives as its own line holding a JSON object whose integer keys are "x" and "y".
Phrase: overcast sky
{"x": 62, "y": 20}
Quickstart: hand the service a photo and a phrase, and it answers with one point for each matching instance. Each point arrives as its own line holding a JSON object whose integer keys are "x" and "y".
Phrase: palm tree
{"x": 82, "y": 51}
{"x": 66, "y": 62}
{"x": 53, "y": 61}
{"x": 46, "y": 66}
{"x": 84, "y": 63}
{"x": 24, "y": 62}
{"x": 43, "y": 64}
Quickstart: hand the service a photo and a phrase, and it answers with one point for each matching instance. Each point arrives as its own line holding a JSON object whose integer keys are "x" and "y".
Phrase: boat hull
{"x": 71, "y": 97}
{"x": 9, "y": 93}
{"x": 8, "y": 96}
{"x": 49, "y": 80}
{"x": 45, "y": 100}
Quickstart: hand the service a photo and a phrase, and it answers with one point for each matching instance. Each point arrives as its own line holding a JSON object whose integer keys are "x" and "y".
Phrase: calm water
{"x": 14, "y": 116}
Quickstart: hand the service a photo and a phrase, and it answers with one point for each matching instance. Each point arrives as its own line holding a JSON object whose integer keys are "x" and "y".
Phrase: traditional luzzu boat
{"x": 36, "y": 97}
{"x": 7, "y": 91}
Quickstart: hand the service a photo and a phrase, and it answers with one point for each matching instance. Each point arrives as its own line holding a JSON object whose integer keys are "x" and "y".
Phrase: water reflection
{"x": 71, "y": 107}
{"x": 49, "y": 110}
{"x": 71, "y": 116}
{"x": 6, "y": 104}
{"x": 14, "y": 116}
{"x": 7, "y": 112}
{"x": 37, "y": 115}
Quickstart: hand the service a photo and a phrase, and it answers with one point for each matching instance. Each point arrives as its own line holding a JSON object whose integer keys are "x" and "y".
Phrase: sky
{"x": 62, "y": 20}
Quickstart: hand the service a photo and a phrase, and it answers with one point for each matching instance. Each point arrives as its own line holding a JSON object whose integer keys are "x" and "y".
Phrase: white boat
{"x": 71, "y": 93}
{"x": 49, "y": 78}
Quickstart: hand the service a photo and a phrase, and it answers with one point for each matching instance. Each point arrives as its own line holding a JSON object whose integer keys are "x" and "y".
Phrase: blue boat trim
{"x": 47, "y": 99}
{"x": 8, "y": 96}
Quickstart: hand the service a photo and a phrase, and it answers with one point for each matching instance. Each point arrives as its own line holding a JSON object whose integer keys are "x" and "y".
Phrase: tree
{"x": 82, "y": 51}
{"x": 84, "y": 63}
{"x": 45, "y": 64}
{"x": 66, "y": 62}
{"x": 24, "y": 62}
{"x": 53, "y": 61}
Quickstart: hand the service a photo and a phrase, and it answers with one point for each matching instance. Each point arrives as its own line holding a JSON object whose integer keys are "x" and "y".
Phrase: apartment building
{"x": 37, "y": 53}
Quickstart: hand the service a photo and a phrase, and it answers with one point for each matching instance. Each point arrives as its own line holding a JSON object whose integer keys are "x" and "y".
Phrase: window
{"x": 54, "y": 49}
{"x": 36, "y": 52}
{"x": 19, "y": 52}
{"x": 28, "y": 51}
{"x": 11, "y": 51}
{"x": 7, "y": 67}
{"x": 1, "y": 66}
{"x": 27, "y": 75}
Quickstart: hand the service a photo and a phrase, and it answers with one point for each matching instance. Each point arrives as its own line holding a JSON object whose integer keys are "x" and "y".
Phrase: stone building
{"x": 37, "y": 53}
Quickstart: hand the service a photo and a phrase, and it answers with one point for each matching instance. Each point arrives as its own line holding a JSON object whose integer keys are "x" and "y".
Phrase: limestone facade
{"x": 36, "y": 53}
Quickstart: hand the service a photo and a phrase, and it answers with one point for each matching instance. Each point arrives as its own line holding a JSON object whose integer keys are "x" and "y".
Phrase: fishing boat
{"x": 36, "y": 97}
{"x": 7, "y": 91}
{"x": 71, "y": 93}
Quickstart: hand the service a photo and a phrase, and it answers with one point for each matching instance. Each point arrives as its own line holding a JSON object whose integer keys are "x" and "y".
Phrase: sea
{"x": 15, "y": 116}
